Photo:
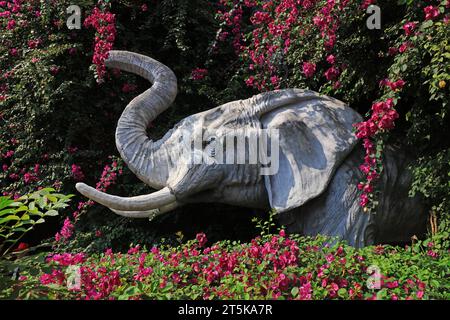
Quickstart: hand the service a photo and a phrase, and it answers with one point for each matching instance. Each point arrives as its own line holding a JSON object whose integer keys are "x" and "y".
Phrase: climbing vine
{"x": 314, "y": 44}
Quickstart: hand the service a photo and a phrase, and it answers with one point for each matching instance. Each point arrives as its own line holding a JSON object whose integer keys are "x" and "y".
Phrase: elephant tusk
{"x": 154, "y": 200}
{"x": 151, "y": 214}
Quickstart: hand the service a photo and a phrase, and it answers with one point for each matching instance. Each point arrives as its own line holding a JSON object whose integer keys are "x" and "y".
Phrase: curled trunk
{"x": 135, "y": 148}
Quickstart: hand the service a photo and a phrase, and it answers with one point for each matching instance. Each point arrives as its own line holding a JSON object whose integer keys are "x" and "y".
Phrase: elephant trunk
{"x": 135, "y": 147}
{"x": 138, "y": 151}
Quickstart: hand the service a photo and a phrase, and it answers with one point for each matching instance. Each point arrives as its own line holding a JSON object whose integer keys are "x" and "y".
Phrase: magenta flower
{"x": 309, "y": 69}
{"x": 11, "y": 25}
{"x": 77, "y": 174}
{"x": 431, "y": 12}
{"x": 409, "y": 28}
{"x": 199, "y": 74}
{"x": 201, "y": 238}
{"x": 65, "y": 232}
{"x": 332, "y": 73}
{"x": 331, "y": 59}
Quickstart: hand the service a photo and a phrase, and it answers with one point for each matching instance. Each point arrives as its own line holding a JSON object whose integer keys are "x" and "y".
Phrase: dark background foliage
{"x": 64, "y": 118}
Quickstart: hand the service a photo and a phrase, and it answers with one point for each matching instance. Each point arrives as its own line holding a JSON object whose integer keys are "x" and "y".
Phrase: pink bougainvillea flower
{"x": 66, "y": 231}
{"x": 11, "y": 24}
{"x": 104, "y": 24}
{"x": 134, "y": 250}
{"x": 331, "y": 59}
{"x": 403, "y": 47}
{"x": 77, "y": 174}
{"x": 199, "y": 74}
{"x": 409, "y": 27}
{"x": 431, "y": 12}
{"x": 54, "y": 70}
{"x": 13, "y": 52}
{"x": 332, "y": 73}
{"x": 201, "y": 238}
{"x": 309, "y": 69}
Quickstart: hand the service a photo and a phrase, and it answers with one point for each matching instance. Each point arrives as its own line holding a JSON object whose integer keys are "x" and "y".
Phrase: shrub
{"x": 399, "y": 74}
{"x": 20, "y": 216}
{"x": 268, "y": 267}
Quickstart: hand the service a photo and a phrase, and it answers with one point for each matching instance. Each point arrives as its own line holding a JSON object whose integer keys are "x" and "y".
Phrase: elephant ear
{"x": 315, "y": 136}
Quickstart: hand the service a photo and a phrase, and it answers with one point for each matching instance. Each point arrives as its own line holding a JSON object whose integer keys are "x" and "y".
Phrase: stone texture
{"x": 337, "y": 212}
{"x": 314, "y": 189}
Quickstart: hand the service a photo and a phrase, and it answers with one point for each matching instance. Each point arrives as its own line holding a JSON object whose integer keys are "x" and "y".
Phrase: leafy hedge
{"x": 268, "y": 267}
{"x": 326, "y": 46}
{"x": 52, "y": 102}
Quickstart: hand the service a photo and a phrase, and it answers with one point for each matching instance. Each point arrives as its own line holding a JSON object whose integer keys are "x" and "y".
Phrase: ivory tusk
{"x": 148, "y": 213}
{"x": 154, "y": 200}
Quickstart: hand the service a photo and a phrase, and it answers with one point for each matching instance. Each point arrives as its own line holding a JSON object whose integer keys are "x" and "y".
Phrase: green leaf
{"x": 9, "y": 218}
{"x": 7, "y": 211}
{"x": 22, "y": 208}
{"x": 52, "y": 198}
{"x": 51, "y": 213}
{"x": 5, "y": 202}
{"x": 427, "y": 24}
{"x": 342, "y": 292}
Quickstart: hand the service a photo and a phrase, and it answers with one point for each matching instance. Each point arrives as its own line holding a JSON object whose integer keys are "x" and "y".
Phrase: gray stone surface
{"x": 314, "y": 189}
{"x": 338, "y": 213}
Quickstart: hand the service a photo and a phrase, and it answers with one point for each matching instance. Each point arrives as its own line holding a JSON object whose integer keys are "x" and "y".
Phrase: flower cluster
{"x": 272, "y": 35}
{"x": 309, "y": 69}
{"x": 103, "y": 22}
{"x": 66, "y": 259}
{"x": 108, "y": 178}
{"x": 77, "y": 173}
{"x": 373, "y": 131}
{"x": 271, "y": 267}
{"x": 199, "y": 74}
{"x": 66, "y": 231}
{"x": 382, "y": 119}
{"x": 431, "y": 12}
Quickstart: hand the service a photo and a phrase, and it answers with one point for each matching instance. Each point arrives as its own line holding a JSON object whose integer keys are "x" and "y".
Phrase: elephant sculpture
{"x": 314, "y": 186}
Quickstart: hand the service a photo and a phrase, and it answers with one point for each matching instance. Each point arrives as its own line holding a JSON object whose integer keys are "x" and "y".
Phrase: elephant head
{"x": 313, "y": 137}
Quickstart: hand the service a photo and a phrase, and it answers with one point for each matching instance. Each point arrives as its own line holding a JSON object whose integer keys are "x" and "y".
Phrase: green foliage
{"x": 363, "y": 57}
{"x": 432, "y": 182}
{"x": 20, "y": 216}
{"x": 266, "y": 226}
{"x": 268, "y": 267}
{"x": 53, "y": 106}
{"x": 50, "y": 120}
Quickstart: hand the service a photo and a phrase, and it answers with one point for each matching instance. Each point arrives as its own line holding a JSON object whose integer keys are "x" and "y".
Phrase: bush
{"x": 51, "y": 102}
{"x": 54, "y": 93}
{"x": 268, "y": 267}
{"x": 327, "y": 47}
{"x": 20, "y": 216}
